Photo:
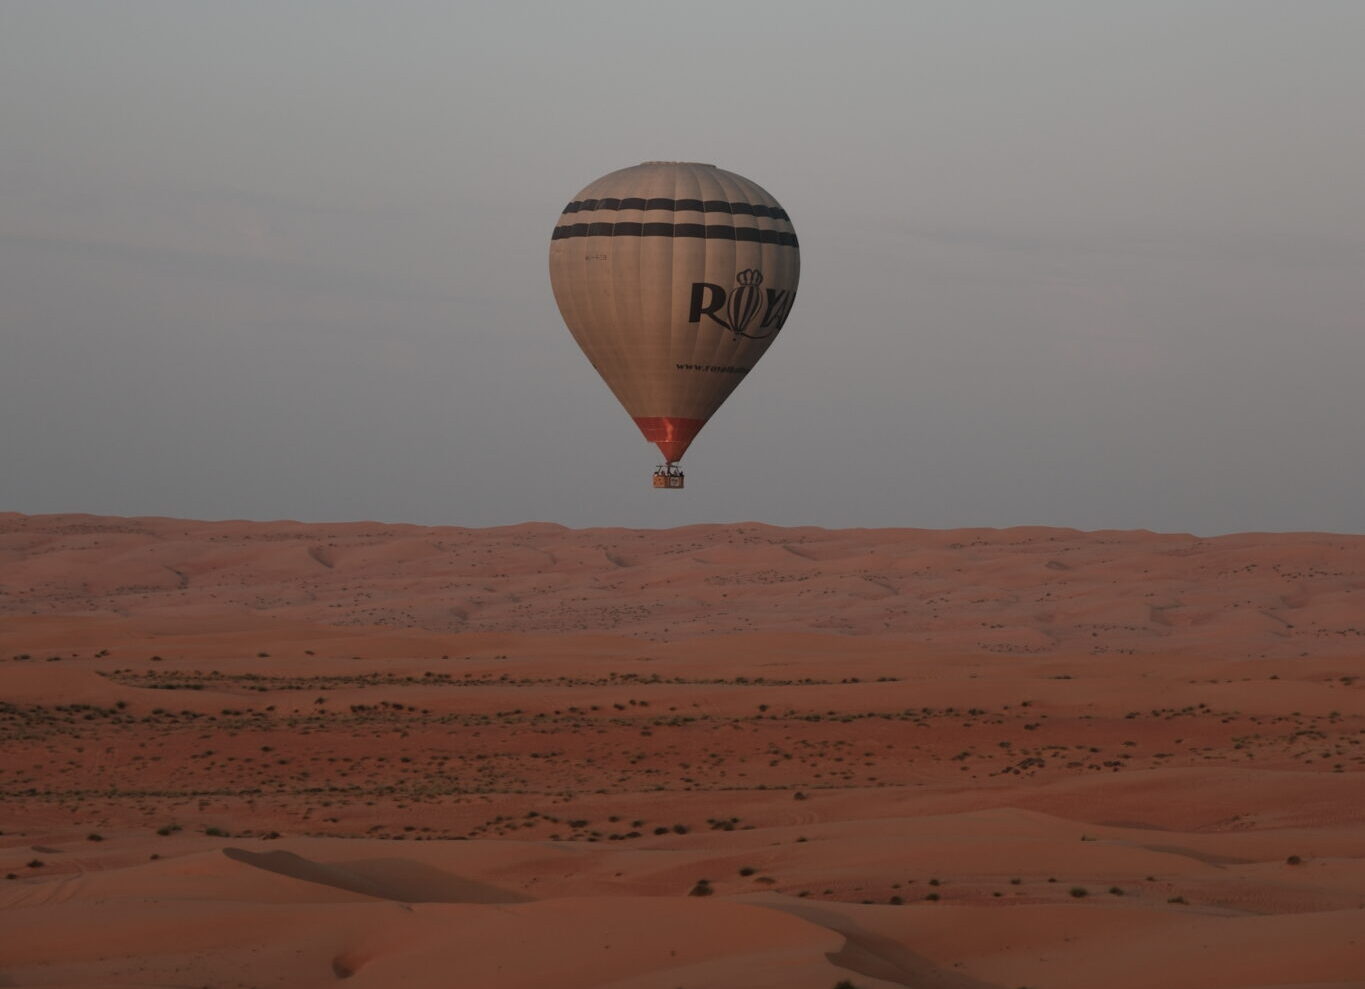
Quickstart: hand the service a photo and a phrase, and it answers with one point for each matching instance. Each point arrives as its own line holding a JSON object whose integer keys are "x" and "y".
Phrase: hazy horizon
{"x": 1095, "y": 266}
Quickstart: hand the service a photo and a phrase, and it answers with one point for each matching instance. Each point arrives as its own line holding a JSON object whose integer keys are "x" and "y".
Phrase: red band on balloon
{"x": 671, "y": 434}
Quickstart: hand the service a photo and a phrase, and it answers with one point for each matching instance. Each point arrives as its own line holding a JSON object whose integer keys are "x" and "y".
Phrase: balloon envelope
{"x": 674, "y": 278}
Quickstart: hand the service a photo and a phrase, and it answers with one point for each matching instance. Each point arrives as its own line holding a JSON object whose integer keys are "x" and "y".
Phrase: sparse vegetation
{"x": 437, "y": 737}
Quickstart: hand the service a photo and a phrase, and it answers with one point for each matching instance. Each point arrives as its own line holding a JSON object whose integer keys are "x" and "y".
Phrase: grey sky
{"x": 1072, "y": 263}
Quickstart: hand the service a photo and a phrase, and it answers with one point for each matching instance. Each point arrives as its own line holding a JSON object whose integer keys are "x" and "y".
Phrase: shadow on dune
{"x": 401, "y": 880}
{"x": 1208, "y": 858}
{"x": 876, "y": 955}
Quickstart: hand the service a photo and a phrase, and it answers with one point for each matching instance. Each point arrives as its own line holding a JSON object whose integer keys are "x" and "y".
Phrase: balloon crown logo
{"x": 745, "y": 300}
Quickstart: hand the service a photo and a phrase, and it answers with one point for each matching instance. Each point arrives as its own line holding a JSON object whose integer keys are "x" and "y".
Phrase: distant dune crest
{"x": 1024, "y": 590}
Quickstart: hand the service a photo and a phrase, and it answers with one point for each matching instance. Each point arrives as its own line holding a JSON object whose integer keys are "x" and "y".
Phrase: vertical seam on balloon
{"x": 693, "y": 388}
{"x": 672, "y": 293}
{"x": 615, "y": 351}
{"x": 735, "y": 193}
{"x": 590, "y": 300}
{"x": 615, "y": 244}
{"x": 612, "y": 356}
{"x": 700, "y": 356}
{"x": 576, "y": 299}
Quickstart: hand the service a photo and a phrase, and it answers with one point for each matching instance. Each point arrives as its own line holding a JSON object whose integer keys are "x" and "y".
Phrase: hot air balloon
{"x": 674, "y": 277}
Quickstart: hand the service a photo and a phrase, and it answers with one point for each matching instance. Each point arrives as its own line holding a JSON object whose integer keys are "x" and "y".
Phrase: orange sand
{"x": 897, "y": 756}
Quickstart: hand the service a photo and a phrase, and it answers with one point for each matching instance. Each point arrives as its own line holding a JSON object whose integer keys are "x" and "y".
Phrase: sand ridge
{"x": 1024, "y": 590}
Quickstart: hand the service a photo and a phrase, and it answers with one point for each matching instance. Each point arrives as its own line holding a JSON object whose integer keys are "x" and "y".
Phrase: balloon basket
{"x": 668, "y": 476}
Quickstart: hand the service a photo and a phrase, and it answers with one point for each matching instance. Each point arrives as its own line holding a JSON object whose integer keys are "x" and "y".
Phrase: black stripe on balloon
{"x": 679, "y": 206}
{"x": 709, "y": 232}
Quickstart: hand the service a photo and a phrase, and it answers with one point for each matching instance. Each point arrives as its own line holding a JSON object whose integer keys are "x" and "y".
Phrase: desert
{"x": 240, "y": 754}
{"x": 621, "y": 495}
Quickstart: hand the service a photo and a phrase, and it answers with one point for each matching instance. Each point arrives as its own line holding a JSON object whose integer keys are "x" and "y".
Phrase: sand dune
{"x": 1023, "y": 590}
{"x": 246, "y": 754}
